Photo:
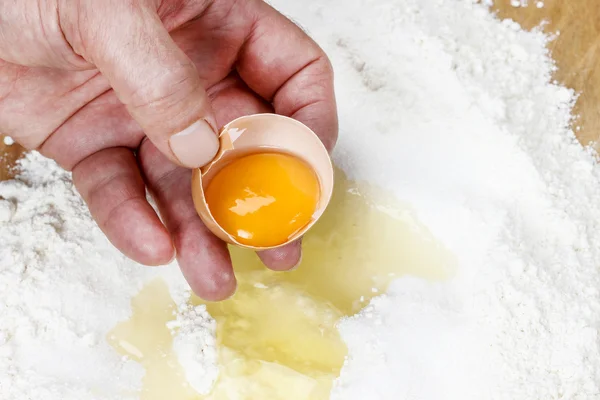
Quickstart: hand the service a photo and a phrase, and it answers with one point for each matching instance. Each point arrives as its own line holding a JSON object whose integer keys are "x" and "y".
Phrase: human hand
{"x": 103, "y": 88}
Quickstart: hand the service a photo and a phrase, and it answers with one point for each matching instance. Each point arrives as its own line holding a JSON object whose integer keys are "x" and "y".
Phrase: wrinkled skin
{"x": 101, "y": 86}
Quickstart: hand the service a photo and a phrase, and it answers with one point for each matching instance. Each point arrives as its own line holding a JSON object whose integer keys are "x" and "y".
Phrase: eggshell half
{"x": 264, "y": 132}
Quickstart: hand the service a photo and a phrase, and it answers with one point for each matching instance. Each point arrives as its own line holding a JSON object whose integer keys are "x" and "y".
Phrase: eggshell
{"x": 266, "y": 132}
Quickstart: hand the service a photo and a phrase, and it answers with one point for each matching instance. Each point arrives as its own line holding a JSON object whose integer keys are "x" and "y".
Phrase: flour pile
{"x": 443, "y": 104}
{"x": 62, "y": 288}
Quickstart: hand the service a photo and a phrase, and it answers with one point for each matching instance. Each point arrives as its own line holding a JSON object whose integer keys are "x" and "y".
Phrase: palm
{"x": 94, "y": 135}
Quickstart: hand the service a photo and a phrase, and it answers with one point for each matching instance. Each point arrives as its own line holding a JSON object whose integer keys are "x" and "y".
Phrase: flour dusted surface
{"x": 465, "y": 124}
{"x": 62, "y": 288}
{"x": 455, "y": 112}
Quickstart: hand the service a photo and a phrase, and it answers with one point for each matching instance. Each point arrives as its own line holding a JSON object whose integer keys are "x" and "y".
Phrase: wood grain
{"x": 8, "y": 157}
{"x": 576, "y": 51}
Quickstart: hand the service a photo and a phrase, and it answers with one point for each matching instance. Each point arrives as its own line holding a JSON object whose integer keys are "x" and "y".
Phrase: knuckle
{"x": 326, "y": 64}
{"x": 323, "y": 69}
{"x": 165, "y": 91}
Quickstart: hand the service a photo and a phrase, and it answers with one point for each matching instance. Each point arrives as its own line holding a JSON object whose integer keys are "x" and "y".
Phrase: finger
{"x": 154, "y": 78}
{"x": 233, "y": 99}
{"x": 283, "y": 258}
{"x": 286, "y": 67}
{"x": 203, "y": 258}
{"x": 110, "y": 183}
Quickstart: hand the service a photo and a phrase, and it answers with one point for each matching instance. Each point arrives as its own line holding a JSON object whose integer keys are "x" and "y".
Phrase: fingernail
{"x": 196, "y": 145}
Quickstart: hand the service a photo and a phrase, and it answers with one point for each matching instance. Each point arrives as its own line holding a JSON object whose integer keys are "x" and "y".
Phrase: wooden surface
{"x": 576, "y": 51}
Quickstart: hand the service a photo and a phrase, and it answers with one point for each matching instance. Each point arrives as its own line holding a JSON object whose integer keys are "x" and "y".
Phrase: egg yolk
{"x": 262, "y": 199}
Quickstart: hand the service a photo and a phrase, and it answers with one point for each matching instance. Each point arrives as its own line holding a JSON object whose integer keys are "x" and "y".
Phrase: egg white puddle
{"x": 277, "y": 337}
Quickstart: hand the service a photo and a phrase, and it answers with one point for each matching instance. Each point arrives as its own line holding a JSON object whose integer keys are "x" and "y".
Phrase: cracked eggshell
{"x": 266, "y": 132}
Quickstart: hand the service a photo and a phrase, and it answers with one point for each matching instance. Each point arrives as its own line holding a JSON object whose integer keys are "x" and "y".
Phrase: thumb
{"x": 157, "y": 82}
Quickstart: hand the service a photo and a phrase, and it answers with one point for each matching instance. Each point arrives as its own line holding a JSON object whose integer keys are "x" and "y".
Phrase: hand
{"x": 128, "y": 94}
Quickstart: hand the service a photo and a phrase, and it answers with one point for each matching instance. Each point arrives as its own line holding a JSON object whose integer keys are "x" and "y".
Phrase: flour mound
{"x": 464, "y": 122}
{"x": 63, "y": 287}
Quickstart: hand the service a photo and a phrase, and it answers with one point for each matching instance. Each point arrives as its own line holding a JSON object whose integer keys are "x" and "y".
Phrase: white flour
{"x": 8, "y": 141}
{"x": 62, "y": 288}
{"x": 448, "y": 107}
{"x": 194, "y": 344}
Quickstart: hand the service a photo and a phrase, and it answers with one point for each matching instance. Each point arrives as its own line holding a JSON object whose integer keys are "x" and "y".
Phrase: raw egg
{"x": 262, "y": 199}
{"x": 270, "y": 182}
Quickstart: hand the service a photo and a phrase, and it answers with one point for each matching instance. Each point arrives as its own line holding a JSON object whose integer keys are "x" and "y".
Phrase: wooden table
{"x": 576, "y": 51}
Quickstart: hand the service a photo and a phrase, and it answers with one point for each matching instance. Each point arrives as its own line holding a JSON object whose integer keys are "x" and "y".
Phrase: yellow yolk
{"x": 263, "y": 199}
